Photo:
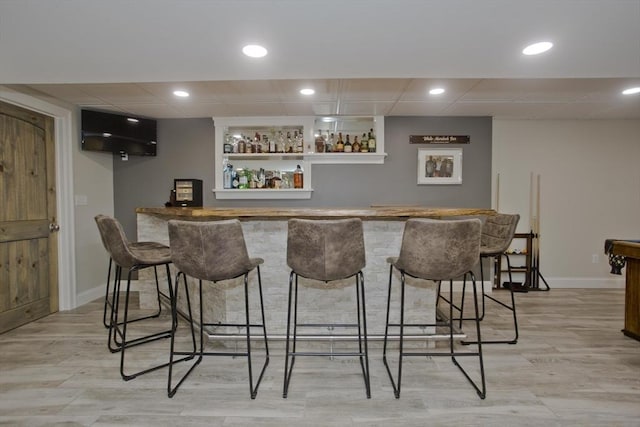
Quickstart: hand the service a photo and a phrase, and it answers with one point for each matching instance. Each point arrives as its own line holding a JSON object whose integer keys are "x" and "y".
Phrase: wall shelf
{"x": 262, "y": 194}
{"x": 285, "y": 163}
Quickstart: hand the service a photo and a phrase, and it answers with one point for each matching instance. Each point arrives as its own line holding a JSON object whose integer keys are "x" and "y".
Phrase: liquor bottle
{"x": 340, "y": 143}
{"x": 356, "y": 145}
{"x": 242, "y": 146}
{"x": 348, "y": 148}
{"x": 372, "y": 142}
{"x": 228, "y": 146}
{"x": 331, "y": 144}
{"x": 243, "y": 181}
{"x": 364, "y": 143}
{"x": 235, "y": 182}
{"x": 298, "y": 178}
{"x": 228, "y": 173}
{"x": 289, "y": 144}
{"x": 319, "y": 142}
{"x": 257, "y": 144}
{"x": 272, "y": 145}
{"x": 280, "y": 145}
{"x": 299, "y": 142}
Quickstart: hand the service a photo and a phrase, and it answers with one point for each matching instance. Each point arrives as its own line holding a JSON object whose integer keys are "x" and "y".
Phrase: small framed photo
{"x": 440, "y": 166}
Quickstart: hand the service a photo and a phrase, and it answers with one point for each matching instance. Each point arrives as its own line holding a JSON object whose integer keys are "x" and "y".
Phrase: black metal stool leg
{"x": 289, "y": 369}
{"x": 482, "y": 390}
{"x": 174, "y": 326}
{"x": 511, "y": 307}
{"x": 363, "y": 354}
{"x": 396, "y": 385}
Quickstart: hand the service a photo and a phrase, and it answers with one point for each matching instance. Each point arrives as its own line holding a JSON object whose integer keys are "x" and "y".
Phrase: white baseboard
{"x": 616, "y": 282}
{"x": 92, "y": 294}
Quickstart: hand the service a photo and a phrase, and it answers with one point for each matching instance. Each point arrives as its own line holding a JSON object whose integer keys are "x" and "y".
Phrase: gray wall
{"x": 186, "y": 150}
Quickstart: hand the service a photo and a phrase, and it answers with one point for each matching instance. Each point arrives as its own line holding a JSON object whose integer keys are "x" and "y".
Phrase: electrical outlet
{"x": 594, "y": 258}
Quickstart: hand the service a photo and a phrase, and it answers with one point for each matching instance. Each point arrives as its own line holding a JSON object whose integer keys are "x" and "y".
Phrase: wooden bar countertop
{"x": 372, "y": 213}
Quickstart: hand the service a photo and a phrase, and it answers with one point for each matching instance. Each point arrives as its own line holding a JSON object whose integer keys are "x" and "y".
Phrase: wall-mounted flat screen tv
{"x": 118, "y": 134}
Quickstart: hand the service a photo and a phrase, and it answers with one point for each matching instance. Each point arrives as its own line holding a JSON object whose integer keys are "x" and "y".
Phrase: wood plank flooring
{"x": 571, "y": 367}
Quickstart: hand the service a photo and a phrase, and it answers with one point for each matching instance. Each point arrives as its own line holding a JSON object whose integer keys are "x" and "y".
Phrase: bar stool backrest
{"x": 115, "y": 241}
{"x": 439, "y": 249}
{"x": 497, "y": 233}
{"x": 325, "y": 249}
{"x": 209, "y": 250}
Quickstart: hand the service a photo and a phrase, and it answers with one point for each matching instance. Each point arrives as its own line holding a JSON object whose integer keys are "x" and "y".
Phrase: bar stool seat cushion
{"x": 497, "y": 233}
{"x": 428, "y": 258}
{"x": 327, "y": 253}
{"x": 225, "y": 260}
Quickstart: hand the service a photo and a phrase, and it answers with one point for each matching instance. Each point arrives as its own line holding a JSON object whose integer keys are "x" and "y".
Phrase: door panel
{"x": 28, "y": 249}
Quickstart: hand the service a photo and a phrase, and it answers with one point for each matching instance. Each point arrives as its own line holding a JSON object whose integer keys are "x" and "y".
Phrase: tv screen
{"x": 118, "y": 134}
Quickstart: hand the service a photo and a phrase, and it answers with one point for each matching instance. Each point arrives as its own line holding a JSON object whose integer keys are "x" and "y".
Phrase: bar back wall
{"x": 186, "y": 150}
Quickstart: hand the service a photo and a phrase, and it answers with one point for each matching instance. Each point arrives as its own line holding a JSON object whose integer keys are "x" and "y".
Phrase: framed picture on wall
{"x": 440, "y": 166}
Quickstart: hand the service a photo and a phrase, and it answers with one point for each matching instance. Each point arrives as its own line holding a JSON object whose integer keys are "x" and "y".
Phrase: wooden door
{"x": 28, "y": 242}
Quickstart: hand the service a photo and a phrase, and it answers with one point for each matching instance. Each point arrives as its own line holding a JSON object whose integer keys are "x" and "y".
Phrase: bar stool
{"x": 435, "y": 250}
{"x": 497, "y": 233}
{"x": 124, "y": 256}
{"x": 212, "y": 251}
{"x": 325, "y": 250}
{"x": 108, "y": 305}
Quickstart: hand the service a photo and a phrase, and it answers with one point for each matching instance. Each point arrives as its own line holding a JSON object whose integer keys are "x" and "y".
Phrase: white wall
{"x": 93, "y": 184}
{"x": 589, "y": 190}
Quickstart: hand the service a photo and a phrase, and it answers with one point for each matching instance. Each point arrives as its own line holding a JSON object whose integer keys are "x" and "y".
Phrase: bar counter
{"x": 265, "y": 232}
{"x": 372, "y": 213}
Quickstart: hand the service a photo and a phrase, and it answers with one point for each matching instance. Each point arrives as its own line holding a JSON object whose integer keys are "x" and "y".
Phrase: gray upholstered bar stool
{"x": 437, "y": 250}
{"x": 497, "y": 233}
{"x": 212, "y": 251}
{"x": 131, "y": 259}
{"x": 325, "y": 251}
{"x": 108, "y": 303}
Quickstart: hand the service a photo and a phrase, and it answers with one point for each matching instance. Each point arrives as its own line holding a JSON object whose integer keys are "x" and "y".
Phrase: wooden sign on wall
{"x": 439, "y": 139}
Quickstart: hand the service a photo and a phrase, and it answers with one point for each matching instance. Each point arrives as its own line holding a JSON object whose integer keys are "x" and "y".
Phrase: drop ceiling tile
{"x": 326, "y": 90}
{"x": 418, "y": 89}
{"x": 375, "y": 108}
{"x": 68, "y": 92}
{"x": 372, "y": 89}
{"x": 408, "y": 108}
{"x": 499, "y": 109}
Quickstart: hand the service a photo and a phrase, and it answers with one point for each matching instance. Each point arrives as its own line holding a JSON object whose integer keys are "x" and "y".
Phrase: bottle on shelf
{"x": 298, "y": 178}
{"x": 299, "y": 141}
{"x": 243, "y": 181}
{"x": 228, "y": 144}
{"x": 235, "y": 182}
{"x": 356, "y": 145}
{"x": 364, "y": 143}
{"x": 257, "y": 144}
{"x": 340, "y": 144}
{"x": 372, "y": 142}
{"x": 242, "y": 146}
{"x": 331, "y": 144}
{"x": 348, "y": 148}
{"x": 280, "y": 144}
{"x": 272, "y": 145}
{"x": 320, "y": 143}
{"x": 228, "y": 174}
{"x": 289, "y": 144}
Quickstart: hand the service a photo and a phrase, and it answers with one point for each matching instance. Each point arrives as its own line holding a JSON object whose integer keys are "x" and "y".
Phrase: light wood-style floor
{"x": 571, "y": 367}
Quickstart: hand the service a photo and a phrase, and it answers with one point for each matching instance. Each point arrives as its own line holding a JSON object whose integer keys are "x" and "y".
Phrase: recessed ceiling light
{"x": 181, "y": 93}
{"x": 106, "y": 134}
{"x": 132, "y": 120}
{"x": 631, "y": 91}
{"x": 328, "y": 119}
{"x": 307, "y": 91}
{"x": 254, "y": 51}
{"x": 537, "y": 48}
{"x": 436, "y": 91}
